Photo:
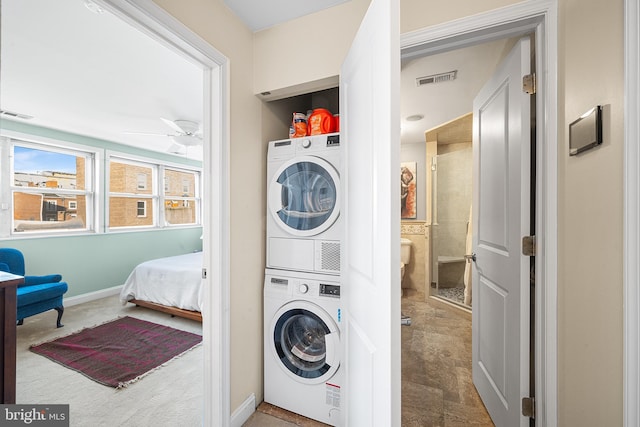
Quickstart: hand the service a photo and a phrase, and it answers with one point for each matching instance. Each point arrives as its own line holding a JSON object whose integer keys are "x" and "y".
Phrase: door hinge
{"x": 204, "y": 273}
{"x": 529, "y": 84}
{"x": 529, "y": 246}
{"x": 529, "y": 407}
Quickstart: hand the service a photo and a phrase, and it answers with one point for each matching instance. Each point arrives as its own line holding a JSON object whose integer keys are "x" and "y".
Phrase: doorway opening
{"x": 448, "y": 184}
{"x": 167, "y": 30}
{"x": 540, "y": 20}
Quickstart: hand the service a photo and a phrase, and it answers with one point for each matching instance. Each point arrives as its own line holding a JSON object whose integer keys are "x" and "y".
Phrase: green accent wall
{"x": 92, "y": 262}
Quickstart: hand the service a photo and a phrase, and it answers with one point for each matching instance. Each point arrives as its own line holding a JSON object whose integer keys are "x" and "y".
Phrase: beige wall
{"x": 215, "y": 23}
{"x": 590, "y": 186}
{"x": 590, "y": 223}
{"x": 415, "y": 274}
{"x": 306, "y": 49}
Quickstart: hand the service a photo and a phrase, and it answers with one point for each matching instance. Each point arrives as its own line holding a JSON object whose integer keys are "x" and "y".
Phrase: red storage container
{"x": 320, "y": 121}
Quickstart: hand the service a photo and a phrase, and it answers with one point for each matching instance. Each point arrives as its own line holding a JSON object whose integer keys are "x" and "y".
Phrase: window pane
{"x": 47, "y": 169}
{"x": 180, "y": 211}
{"x": 130, "y": 178}
{"x": 180, "y": 183}
{"x": 124, "y": 212}
{"x": 48, "y": 211}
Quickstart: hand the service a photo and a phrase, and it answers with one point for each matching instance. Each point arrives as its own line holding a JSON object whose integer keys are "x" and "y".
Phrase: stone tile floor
{"x": 437, "y": 390}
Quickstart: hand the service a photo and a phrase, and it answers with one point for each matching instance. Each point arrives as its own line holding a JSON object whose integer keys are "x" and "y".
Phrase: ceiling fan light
{"x": 187, "y": 140}
{"x": 177, "y": 149}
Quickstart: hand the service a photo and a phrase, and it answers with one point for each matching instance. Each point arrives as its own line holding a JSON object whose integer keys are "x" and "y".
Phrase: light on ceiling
{"x": 177, "y": 149}
{"x": 187, "y": 140}
{"x": 93, "y": 7}
{"x": 415, "y": 117}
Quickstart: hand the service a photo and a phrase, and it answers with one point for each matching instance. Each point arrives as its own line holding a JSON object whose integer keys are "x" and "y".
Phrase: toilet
{"x": 405, "y": 256}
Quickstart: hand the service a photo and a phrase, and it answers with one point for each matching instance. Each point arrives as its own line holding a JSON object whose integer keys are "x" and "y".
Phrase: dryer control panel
{"x": 330, "y": 290}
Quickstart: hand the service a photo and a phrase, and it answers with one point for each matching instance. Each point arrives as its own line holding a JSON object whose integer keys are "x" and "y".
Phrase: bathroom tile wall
{"x": 415, "y": 275}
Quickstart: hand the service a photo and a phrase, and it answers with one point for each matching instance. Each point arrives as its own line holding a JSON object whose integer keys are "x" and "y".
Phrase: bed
{"x": 172, "y": 285}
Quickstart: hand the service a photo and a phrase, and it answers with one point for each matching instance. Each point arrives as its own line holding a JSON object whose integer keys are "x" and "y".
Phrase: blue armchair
{"x": 38, "y": 293}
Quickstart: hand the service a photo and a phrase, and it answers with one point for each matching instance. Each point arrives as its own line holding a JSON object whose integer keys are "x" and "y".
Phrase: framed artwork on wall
{"x": 408, "y": 178}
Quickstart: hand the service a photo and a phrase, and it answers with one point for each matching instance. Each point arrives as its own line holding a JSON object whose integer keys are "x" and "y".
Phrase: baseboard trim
{"x": 92, "y": 296}
{"x": 244, "y": 411}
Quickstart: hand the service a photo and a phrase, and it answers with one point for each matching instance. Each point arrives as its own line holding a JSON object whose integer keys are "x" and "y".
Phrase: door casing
{"x": 540, "y": 18}
{"x": 156, "y": 22}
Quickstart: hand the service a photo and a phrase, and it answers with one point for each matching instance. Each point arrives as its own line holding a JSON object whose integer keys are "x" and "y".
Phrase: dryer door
{"x": 304, "y": 196}
{"x": 306, "y": 342}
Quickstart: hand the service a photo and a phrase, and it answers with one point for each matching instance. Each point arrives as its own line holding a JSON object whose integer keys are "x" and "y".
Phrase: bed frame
{"x": 174, "y": 311}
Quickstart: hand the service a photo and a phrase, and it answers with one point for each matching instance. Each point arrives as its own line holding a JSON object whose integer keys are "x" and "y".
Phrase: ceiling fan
{"x": 187, "y": 132}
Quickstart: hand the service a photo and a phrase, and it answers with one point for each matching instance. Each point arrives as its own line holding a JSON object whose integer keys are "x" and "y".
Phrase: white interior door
{"x": 501, "y": 216}
{"x": 369, "y": 109}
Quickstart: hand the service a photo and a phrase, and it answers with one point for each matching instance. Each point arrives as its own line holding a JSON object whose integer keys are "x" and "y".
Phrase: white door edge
{"x": 631, "y": 214}
{"x": 163, "y": 27}
{"x": 541, "y": 17}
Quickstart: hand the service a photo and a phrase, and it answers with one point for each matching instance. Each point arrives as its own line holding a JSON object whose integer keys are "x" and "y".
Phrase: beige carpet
{"x": 169, "y": 396}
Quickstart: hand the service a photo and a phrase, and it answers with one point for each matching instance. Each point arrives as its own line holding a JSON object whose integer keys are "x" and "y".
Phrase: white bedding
{"x": 173, "y": 281}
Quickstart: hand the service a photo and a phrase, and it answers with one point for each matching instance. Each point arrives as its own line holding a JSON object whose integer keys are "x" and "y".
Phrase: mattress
{"x": 172, "y": 281}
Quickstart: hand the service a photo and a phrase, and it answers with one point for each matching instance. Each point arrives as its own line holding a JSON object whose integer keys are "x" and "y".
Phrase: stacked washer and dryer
{"x": 302, "y": 317}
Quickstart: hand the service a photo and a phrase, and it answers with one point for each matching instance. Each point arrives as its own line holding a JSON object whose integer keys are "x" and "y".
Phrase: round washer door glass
{"x": 305, "y": 344}
{"x": 304, "y": 196}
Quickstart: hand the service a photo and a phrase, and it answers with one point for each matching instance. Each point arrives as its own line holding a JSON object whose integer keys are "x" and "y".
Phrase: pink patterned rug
{"x": 119, "y": 352}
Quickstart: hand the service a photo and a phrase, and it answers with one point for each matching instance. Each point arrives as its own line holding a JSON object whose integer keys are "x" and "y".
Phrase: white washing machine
{"x": 302, "y": 346}
{"x": 303, "y": 204}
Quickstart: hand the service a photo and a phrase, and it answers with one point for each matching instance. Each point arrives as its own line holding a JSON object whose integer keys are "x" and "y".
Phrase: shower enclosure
{"x": 451, "y": 203}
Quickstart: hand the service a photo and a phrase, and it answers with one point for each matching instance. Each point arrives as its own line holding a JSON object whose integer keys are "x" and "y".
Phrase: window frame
{"x": 143, "y": 208}
{"x": 92, "y": 155}
{"x": 158, "y": 191}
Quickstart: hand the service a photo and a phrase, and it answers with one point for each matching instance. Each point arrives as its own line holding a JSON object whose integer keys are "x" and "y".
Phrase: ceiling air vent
{"x": 437, "y": 78}
{"x": 15, "y": 115}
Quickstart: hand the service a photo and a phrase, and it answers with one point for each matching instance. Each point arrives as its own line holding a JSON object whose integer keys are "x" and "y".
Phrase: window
{"x": 142, "y": 181}
{"x": 50, "y": 188}
{"x": 131, "y": 204}
{"x": 130, "y": 198}
{"x": 142, "y": 209}
{"x": 182, "y": 201}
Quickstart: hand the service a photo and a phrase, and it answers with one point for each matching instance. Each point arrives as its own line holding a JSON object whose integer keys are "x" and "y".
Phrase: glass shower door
{"x": 452, "y": 185}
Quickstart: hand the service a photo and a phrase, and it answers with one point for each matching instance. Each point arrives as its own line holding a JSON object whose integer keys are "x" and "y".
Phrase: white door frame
{"x": 539, "y": 17}
{"x": 631, "y": 213}
{"x": 150, "y": 18}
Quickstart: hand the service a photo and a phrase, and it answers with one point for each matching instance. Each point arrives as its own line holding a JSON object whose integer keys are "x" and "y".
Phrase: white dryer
{"x": 302, "y": 345}
{"x": 303, "y": 204}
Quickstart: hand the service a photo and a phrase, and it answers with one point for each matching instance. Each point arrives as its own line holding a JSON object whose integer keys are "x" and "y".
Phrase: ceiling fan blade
{"x": 172, "y": 125}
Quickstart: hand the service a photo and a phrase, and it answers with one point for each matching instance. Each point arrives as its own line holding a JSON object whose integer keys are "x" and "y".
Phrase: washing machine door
{"x": 306, "y": 342}
{"x": 304, "y": 196}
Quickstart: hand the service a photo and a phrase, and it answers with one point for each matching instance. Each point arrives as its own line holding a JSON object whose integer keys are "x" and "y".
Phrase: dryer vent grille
{"x": 330, "y": 259}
